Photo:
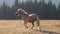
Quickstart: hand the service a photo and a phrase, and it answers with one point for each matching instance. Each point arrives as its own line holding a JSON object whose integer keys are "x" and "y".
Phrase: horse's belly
{"x": 31, "y": 20}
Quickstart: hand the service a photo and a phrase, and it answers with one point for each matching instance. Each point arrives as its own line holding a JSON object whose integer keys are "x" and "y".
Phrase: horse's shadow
{"x": 44, "y": 31}
{"x": 50, "y": 32}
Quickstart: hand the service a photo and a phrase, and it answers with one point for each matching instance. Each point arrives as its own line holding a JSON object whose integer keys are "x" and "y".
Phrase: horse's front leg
{"x": 25, "y": 24}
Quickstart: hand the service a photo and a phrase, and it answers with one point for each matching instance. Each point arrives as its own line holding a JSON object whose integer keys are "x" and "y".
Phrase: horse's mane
{"x": 22, "y": 10}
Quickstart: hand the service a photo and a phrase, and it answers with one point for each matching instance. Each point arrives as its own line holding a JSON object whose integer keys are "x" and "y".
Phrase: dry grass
{"x": 17, "y": 27}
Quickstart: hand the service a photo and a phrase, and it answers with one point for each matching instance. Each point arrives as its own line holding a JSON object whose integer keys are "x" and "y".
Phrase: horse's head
{"x": 20, "y": 12}
{"x": 17, "y": 13}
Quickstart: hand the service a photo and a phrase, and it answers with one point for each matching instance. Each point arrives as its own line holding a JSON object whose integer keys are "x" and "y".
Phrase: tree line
{"x": 42, "y": 9}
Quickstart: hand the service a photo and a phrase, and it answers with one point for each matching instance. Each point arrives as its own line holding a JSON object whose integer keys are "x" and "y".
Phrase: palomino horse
{"x": 28, "y": 18}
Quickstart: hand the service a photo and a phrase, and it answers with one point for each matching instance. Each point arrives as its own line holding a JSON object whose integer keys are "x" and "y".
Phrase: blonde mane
{"x": 22, "y": 10}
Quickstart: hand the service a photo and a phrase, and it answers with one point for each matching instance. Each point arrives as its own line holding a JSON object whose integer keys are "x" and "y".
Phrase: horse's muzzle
{"x": 17, "y": 14}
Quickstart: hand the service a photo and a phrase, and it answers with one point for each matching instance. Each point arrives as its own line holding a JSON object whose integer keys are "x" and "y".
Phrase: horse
{"x": 28, "y": 18}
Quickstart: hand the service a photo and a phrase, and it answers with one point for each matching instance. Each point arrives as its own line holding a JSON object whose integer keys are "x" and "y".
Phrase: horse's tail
{"x": 37, "y": 22}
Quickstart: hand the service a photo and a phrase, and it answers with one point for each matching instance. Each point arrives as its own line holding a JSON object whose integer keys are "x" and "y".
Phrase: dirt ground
{"x": 17, "y": 27}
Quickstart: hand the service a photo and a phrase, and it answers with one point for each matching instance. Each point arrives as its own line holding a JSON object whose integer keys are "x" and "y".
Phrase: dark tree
{"x": 58, "y": 12}
{"x": 42, "y": 9}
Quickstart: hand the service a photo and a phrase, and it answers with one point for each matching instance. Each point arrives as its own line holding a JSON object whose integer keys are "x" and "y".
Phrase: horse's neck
{"x": 25, "y": 16}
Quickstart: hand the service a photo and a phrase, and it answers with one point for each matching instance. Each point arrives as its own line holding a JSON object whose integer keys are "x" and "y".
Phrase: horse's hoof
{"x": 26, "y": 27}
{"x": 32, "y": 28}
{"x": 40, "y": 30}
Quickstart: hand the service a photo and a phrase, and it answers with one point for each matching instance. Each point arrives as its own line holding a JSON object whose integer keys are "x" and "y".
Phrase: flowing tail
{"x": 38, "y": 22}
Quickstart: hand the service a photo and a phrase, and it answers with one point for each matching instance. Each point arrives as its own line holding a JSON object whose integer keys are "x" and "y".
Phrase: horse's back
{"x": 31, "y": 17}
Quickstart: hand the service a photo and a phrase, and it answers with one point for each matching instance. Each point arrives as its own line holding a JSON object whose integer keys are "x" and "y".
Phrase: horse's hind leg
{"x": 32, "y": 25}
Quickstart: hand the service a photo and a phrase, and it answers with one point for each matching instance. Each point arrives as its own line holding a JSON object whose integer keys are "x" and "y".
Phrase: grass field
{"x": 17, "y": 27}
